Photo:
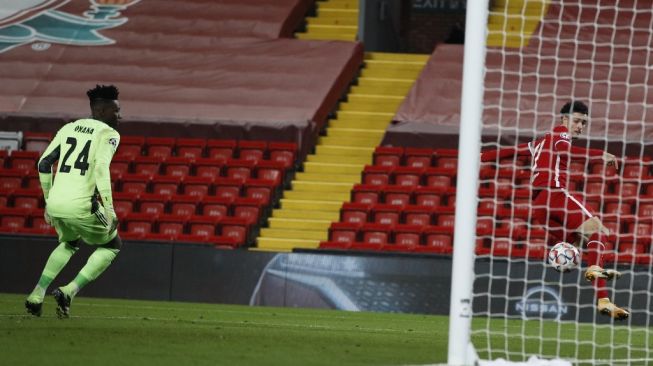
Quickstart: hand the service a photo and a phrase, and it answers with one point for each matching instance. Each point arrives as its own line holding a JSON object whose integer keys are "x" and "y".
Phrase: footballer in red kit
{"x": 563, "y": 214}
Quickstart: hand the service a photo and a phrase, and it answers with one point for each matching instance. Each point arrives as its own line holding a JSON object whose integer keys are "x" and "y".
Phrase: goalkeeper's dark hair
{"x": 102, "y": 93}
{"x": 574, "y": 107}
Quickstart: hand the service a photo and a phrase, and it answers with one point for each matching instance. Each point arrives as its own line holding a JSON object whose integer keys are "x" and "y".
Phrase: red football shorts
{"x": 561, "y": 212}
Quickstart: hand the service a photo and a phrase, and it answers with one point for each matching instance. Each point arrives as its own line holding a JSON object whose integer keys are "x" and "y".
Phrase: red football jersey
{"x": 550, "y": 158}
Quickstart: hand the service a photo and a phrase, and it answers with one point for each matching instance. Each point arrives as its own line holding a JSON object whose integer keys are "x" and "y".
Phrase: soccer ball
{"x": 564, "y": 257}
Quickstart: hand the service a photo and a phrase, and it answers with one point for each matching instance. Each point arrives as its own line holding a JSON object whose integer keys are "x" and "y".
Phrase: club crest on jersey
{"x": 565, "y": 136}
{"x": 28, "y": 21}
{"x": 113, "y": 142}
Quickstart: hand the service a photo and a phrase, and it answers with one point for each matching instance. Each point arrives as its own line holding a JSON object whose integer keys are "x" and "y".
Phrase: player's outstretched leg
{"x": 606, "y": 307}
{"x": 97, "y": 263}
{"x": 56, "y": 262}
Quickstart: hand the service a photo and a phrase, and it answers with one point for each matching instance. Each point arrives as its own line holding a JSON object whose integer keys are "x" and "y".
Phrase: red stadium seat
{"x": 216, "y": 206}
{"x": 446, "y": 219}
{"x": 190, "y": 148}
{"x": 184, "y": 205}
{"x": 29, "y": 199}
{"x": 259, "y": 189}
{"x": 123, "y": 203}
{"x": 407, "y": 176}
{"x": 139, "y": 224}
{"x": 645, "y": 210}
{"x": 36, "y": 141}
{"x": 439, "y": 178}
{"x": 595, "y": 188}
{"x": 634, "y": 170}
{"x": 418, "y": 158}
{"x": 203, "y": 226}
{"x": 343, "y": 232}
{"x": 387, "y": 156}
{"x": 120, "y": 165}
{"x": 386, "y": 214}
{"x": 417, "y": 215}
{"x": 398, "y": 195}
{"x": 251, "y": 150}
{"x": 284, "y": 153}
{"x": 377, "y": 175}
{"x": 447, "y": 163}
{"x": 228, "y": 187}
{"x": 429, "y": 196}
{"x": 177, "y": 166}
{"x": 356, "y": 213}
{"x": 221, "y": 149}
{"x": 5, "y": 196}
{"x": 166, "y": 185}
{"x": 24, "y": 160}
{"x": 159, "y": 147}
{"x": 38, "y": 223}
{"x": 367, "y": 194}
{"x": 617, "y": 208}
{"x": 209, "y": 167}
{"x": 376, "y": 233}
{"x": 408, "y": 235}
{"x": 130, "y": 147}
{"x": 134, "y": 184}
{"x": 437, "y": 240}
{"x": 240, "y": 169}
{"x": 270, "y": 170}
{"x": 197, "y": 186}
{"x": 248, "y": 209}
{"x": 334, "y": 245}
{"x": 153, "y": 204}
{"x": 627, "y": 189}
{"x": 13, "y": 219}
{"x": 172, "y": 225}
{"x": 147, "y": 165}
{"x": 235, "y": 228}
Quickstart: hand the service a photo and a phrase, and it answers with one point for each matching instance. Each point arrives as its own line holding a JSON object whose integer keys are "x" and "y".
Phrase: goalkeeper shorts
{"x": 93, "y": 229}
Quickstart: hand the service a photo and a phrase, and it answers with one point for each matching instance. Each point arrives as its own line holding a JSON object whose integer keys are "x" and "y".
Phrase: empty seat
{"x": 130, "y": 146}
{"x": 184, "y": 205}
{"x": 386, "y": 214}
{"x": 249, "y": 209}
{"x": 228, "y": 187}
{"x": 343, "y": 232}
{"x": 408, "y": 235}
{"x": 24, "y": 160}
{"x": 365, "y": 193}
{"x": 398, "y": 195}
{"x": 147, "y": 165}
{"x": 166, "y": 185}
{"x": 120, "y": 165}
{"x": 177, "y": 166}
{"x": 377, "y": 175}
{"x": 438, "y": 240}
{"x": 417, "y": 215}
{"x": 387, "y": 156}
{"x": 356, "y": 213}
{"x": 203, "y": 226}
{"x": 153, "y": 204}
{"x": 429, "y": 196}
{"x": 240, "y": 169}
{"x": 627, "y": 189}
{"x": 197, "y": 186}
{"x": 13, "y": 219}
{"x": 221, "y": 149}
{"x": 36, "y": 141}
{"x": 216, "y": 206}
{"x": 172, "y": 226}
{"x": 134, "y": 183}
{"x": 32, "y": 180}
{"x": 270, "y": 170}
{"x": 235, "y": 228}
{"x": 251, "y": 150}
{"x": 123, "y": 203}
{"x": 408, "y": 176}
{"x": 284, "y": 153}
{"x": 445, "y": 217}
{"x": 138, "y": 224}
{"x": 259, "y": 189}
{"x": 209, "y": 167}
{"x": 373, "y": 233}
{"x": 29, "y": 199}
{"x": 159, "y": 147}
{"x": 418, "y": 158}
{"x": 439, "y": 178}
{"x": 190, "y": 148}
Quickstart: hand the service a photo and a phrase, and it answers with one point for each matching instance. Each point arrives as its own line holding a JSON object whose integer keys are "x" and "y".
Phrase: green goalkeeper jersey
{"x": 83, "y": 149}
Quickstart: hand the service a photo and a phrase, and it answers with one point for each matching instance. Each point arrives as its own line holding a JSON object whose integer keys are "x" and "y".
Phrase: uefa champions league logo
{"x": 40, "y": 23}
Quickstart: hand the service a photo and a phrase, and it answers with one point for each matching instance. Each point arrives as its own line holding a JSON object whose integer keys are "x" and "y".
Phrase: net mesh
{"x": 540, "y": 55}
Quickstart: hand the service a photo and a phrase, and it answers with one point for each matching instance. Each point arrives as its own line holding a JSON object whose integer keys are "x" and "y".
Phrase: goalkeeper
{"x": 83, "y": 149}
{"x": 567, "y": 218}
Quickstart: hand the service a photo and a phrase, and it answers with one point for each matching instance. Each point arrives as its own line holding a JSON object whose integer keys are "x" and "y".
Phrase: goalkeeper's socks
{"x": 96, "y": 264}
{"x": 594, "y": 256}
{"x": 57, "y": 260}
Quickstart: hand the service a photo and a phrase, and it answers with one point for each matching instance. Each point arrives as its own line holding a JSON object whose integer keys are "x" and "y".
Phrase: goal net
{"x": 540, "y": 55}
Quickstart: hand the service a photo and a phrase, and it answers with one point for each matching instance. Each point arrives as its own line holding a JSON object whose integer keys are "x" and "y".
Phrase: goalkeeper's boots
{"x": 34, "y": 308}
{"x": 594, "y": 272}
{"x": 606, "y": 307}
{"x": 63, "y": 303}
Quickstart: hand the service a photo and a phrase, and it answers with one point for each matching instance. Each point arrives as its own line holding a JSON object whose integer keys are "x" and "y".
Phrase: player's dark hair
{"x": 101, "y": 93}
{"x": 574, "y": 107}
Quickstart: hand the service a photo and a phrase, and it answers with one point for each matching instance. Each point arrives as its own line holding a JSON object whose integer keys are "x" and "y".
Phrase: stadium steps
{"x": 512, "y": 23}
{"x": 335, "y": 20}
{"x": 318, "y": 192}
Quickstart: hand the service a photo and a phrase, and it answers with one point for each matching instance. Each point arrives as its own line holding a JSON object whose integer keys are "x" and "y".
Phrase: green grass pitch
{"x": 128, "y": 332}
